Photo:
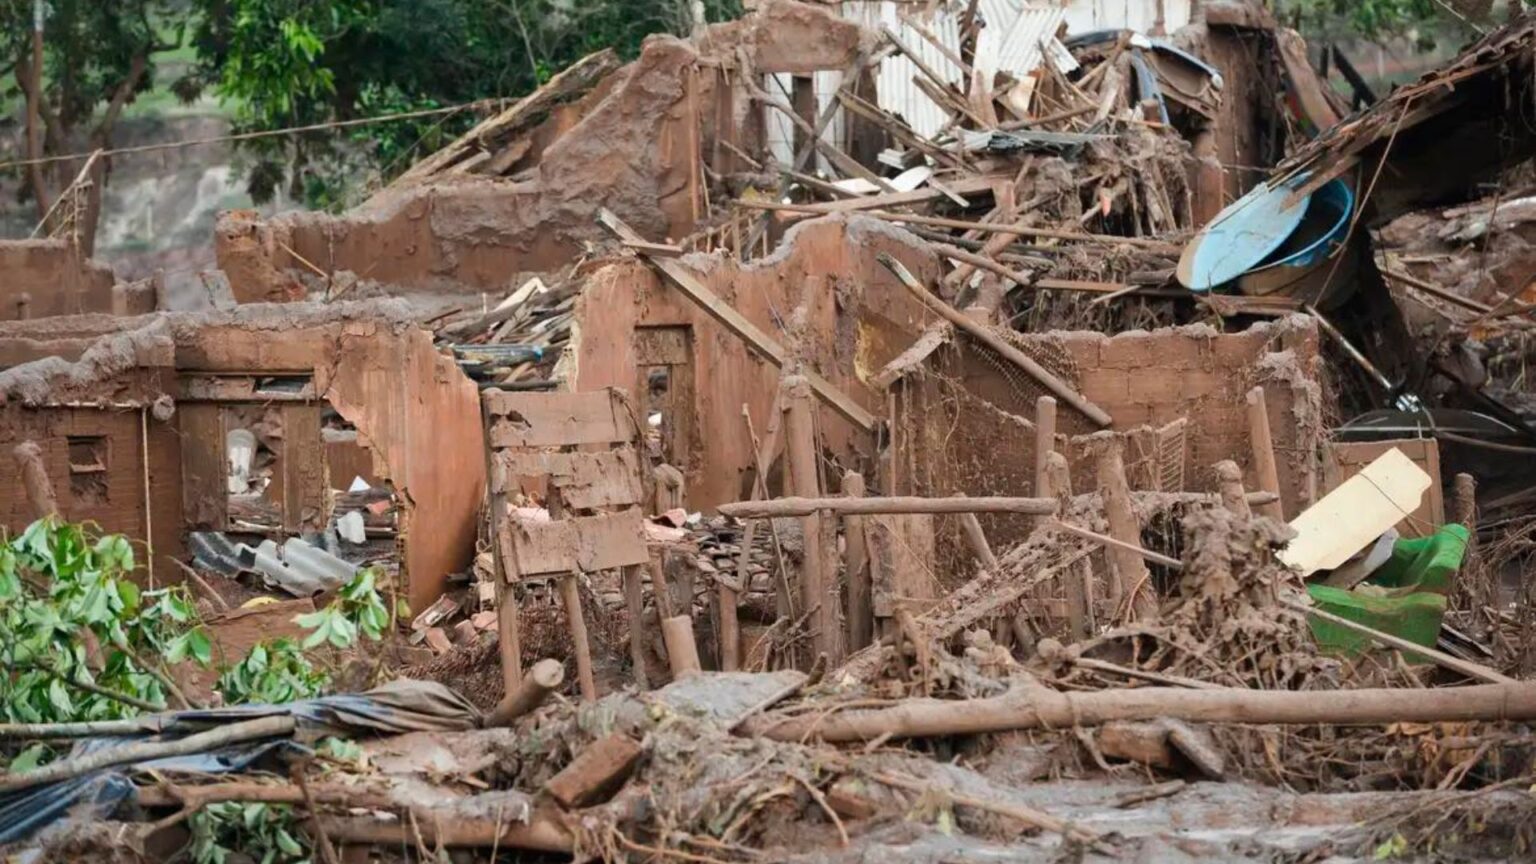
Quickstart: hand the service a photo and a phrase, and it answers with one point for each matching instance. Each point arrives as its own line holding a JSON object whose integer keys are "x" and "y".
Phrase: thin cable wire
{"x": 266, "y": 133}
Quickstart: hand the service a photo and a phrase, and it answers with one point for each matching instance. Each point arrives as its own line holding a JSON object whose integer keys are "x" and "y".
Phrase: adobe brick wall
{"x": 44, "y": 278}
{"x": 966, "y": 424}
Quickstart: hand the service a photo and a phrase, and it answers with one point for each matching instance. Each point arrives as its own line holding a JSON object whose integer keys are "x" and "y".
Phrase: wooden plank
{"x": 204, "y": 491}
{"x": 586, "y": 481}
{"x": 523, "y": 419}
{"x": 303, "y": 461}
{"x": 694, "y": 289}
{"x": 1355, "y": 513}
{"x": 901, "y": 560}
{"x": 596, "y": 772}
{"x": 586, "y": 543}
{"x": 240, "y": 388}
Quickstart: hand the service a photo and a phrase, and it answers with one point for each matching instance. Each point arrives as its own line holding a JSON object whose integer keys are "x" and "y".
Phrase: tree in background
{"x": 1423, "y": 20}
{"x": 283, "y": 63}
{"x": 77, "y": 64}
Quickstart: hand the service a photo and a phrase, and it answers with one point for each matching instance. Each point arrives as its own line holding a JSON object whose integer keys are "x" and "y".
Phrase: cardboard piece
{"x": 1352, "y": 516}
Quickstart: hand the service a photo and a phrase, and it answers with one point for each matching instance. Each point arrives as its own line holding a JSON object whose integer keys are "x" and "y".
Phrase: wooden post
{"x": 659, "y": 588}
{"x": 1264, "y": 467}
{"x": 1045, "y": 439}
{"x": 570, "y": 594}
{"x": 509, "y": 633}
{"x": 1079, "y": 581}
{"x": 1130, "y": 579}
{"x": 634, "y": 603}
{"x": 1483, "y": 591}
{"x": 669, "y": 488}
{"x": 34, "y": 477}
{"x": 978, "y": 542}
{"x": 730, "y": 628}
{"x": 544, "y": 678}
{"x": 818, "y": 592}
{"x": 861, "y": 612}
{"x": 1233, "y": 496}
{"x": 682, "y": 650}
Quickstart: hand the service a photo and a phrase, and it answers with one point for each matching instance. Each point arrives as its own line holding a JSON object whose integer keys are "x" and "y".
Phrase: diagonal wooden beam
{"x": 694, "y": 289}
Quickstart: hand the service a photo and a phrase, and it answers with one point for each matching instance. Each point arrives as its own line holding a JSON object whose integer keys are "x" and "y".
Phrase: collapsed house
{"x": 953, "y": 433}
{"x": 264, "y": 422}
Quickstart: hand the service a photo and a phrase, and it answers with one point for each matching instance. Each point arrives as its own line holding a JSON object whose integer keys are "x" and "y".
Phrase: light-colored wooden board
{"x": 557, "y": 419}
{"x": 1356, "y": 513}
{"x": 586, "y": 480}
{"x": 586, "y": 543}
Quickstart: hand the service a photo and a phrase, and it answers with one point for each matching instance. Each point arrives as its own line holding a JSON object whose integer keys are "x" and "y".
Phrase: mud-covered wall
{"x": 858, "y": 317}
{"x": 638, "y": 145}
{"x": 966, "y": 423}
{"x": 96, "y": 461}
{"x": 415, "y": 412}
{"x": 44, "y": 278}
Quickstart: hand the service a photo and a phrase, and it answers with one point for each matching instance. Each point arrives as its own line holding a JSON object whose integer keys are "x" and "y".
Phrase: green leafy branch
{"x": 358, "y": 608}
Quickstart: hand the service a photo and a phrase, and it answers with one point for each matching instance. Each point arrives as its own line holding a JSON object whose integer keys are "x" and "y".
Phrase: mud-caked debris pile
{"x": 937, "y": 435}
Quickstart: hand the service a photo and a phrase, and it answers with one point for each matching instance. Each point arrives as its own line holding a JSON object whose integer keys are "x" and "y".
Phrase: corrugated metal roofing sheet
{"x": 893, "y": 83}
{"x": 1141, "y": 15}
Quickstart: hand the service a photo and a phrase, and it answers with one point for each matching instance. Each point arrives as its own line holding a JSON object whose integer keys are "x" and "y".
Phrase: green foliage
{"x": 272, "y": 673}
{"x": 357, "y": 608}
{"x": 300, "y": 62}
{"x": 265, "y": 833}
{"x": 62, "y": 589}
{"x": 1427, "y": 21}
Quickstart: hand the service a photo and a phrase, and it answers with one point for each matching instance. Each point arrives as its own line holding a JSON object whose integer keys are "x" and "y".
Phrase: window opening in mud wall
{"x": 665, "y": 393}
{"x": 88, "y": 469}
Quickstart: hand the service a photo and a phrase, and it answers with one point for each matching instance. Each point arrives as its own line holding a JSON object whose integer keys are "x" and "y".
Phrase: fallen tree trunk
{"x": 793, "y": 506}
{"x": 542, "y": 834}
{"x": 1041, "y": 707}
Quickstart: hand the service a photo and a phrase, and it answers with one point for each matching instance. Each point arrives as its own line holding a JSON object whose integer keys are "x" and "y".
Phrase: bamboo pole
{"x": 1264, "y": 453}
{"x": 991, "y": 340}
{"x": 801, "y": 506}
{"x": 1040, "y": 707}
{"x": 1057, "y": 480}
{"x": 1455, "y": 664}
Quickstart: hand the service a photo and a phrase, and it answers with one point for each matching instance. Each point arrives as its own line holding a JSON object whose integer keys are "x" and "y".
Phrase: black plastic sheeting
{"x": 393, "y": 709}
